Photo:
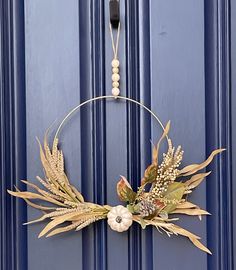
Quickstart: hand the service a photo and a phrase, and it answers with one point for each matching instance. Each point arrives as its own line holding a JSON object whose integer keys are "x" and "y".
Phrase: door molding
{"x": 219, "y": 124}
{"x": 13, "y": 236}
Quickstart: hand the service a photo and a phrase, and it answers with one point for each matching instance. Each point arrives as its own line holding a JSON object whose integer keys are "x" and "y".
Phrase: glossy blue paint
{"x": 232, "y": 19}
{"x": 13, "y": 239}
{"x": 178, "y": 93}
{"x": 51, "y": 79}
{"x": 219, "y": 132}
{"x": 176, "y": 57}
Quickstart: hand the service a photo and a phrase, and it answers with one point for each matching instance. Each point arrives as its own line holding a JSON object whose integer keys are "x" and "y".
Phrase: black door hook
{"x": 114, "y": 13}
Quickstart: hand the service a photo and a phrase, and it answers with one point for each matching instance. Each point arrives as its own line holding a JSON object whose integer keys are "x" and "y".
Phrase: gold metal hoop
{"x": 107, "y": 97}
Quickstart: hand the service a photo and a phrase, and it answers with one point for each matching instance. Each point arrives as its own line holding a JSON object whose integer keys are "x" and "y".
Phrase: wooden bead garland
{"x": 115, "y": 77}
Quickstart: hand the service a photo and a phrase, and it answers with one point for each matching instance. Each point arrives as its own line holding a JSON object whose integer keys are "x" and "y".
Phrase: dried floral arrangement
{"x": 163, "y": 191}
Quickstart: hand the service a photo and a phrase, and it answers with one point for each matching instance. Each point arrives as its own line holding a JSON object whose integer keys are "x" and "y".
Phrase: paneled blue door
{"x": 178, "y": 58}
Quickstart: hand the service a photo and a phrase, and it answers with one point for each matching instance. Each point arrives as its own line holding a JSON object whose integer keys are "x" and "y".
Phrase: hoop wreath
{"x": 163, "y": 191}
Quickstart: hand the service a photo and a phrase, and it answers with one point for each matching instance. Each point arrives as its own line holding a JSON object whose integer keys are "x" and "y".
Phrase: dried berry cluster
{"x": 167, "y": 172}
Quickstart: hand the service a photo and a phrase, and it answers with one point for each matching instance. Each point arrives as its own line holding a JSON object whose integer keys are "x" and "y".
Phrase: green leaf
{"x": 150, "y": 174}
{"x": 125, "y": 191}
{"x": 174, "y": 193}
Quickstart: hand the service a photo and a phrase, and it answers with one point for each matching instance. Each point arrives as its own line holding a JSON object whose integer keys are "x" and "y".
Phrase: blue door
{"x": 178, "y": 58}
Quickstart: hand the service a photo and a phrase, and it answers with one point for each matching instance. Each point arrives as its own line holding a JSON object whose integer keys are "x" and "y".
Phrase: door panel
{"x": 52, "y": 83}
{"x": 175, "y": 58}
{"x": 178, "y": 93}
{"x": 54, "y": 60}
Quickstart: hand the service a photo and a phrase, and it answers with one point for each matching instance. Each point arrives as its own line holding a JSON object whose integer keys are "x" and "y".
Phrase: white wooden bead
{"x": 115, "y": 77}
{"x": 115, "y": 84}
{"x": 115, "y": 63}
{"x": 115, "y": 70}
{"x": 115, "y": 91}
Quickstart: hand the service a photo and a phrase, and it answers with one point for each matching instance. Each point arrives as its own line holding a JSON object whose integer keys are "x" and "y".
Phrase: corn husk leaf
{"x": 193, "y": 238}
{"x": 55, "y": 214}
{"x": 57, "y": 221}
{"x": 77, "y": 193}
{"x": 34, "y": 205}
{"x": 190, "y": 212}
{"x": 165, "y": 133}
{"x": 31, "y": 195}
{"x": 196, "y": 180}
{"x": 199, "y": 245}
{"x": 186, "y": 205}
{"x": 64, "y": 229}
{"x": 155, "y": 149}
{"x": 38, "y": 206}
{"x": 42, "y": 192}
{"x": 191, "y": 169}
{"x": 154, "y": 155}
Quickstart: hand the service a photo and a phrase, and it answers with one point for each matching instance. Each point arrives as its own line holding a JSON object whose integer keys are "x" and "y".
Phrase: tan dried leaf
{"x": 154, "y": 155}
{"x": 190, "y": 212}
{"x": 191, "y": 169}
{"x": 196, "y": 180}
{"x": 55, "y": 222}
{"x": 43, "y": 192}
{"x": 30, "y": 195}
{"x": 192, "y": 237}
{"x": 37, "y": 206}
{"x": 77, "y": 193}
{"x": 165, "y": 133}
{"x": 186, "y": 205}
{"x": 199, "y": 245}
{"x": 52, "y": 215}
{"x": 64, "y": 229}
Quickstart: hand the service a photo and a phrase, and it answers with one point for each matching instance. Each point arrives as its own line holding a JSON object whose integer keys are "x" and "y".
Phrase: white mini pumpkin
{"x": 119, "y": 218}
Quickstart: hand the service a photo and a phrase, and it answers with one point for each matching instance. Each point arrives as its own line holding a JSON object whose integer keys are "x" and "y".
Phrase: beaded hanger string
{"x": 115, "y": 87}
{"x": 115, "y": 44}
{"x": 115, "y": 62}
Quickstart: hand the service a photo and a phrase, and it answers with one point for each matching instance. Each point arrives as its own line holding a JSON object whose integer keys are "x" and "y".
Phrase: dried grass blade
{"x": 64, "y": 229}
{"x": 186, "y": 205}
{"x": 37, "y": 206}
{"x": 77, "y": 193}
{"x": 190, "y": 212}
{"x": 196, "y": 180}
{"x": 43, "y": 192}
{"x": 199, "y": 245}
{"x": 191, "y": 169}
{"x": 165, "y": 133}
{"x": 182, "y": 231}
{"x": 31, "y": 195}
{"x": 192, "y": 237}
{"x": 56, "y": 222}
